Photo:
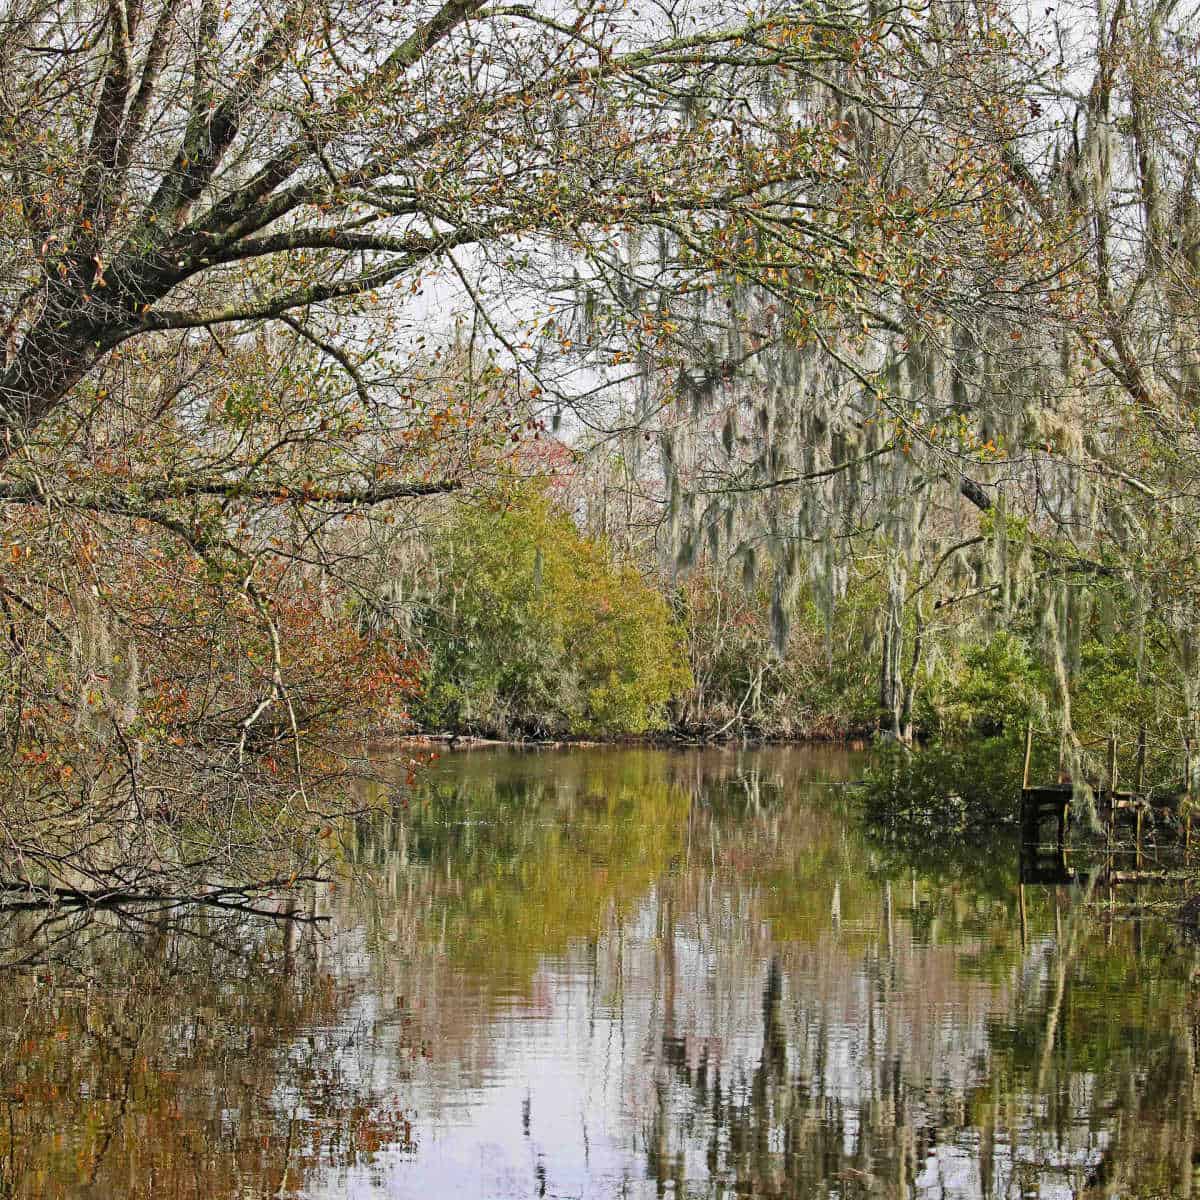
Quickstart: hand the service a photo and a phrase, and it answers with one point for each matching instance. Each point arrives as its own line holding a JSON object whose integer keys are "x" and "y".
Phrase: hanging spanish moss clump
{"x": 811, "y": 426}
{"x": 91, "y": 657}
{"x": 108, "y": 670}
{"x": 107, "y": 667}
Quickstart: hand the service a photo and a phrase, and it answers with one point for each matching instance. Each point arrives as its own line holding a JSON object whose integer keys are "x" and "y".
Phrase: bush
{"x": 532, "y": 628}
{"x": 944, "y": 791}
{"x": 996, "y": 689}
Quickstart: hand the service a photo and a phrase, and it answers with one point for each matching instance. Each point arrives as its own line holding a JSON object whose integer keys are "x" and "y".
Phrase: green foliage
{"x": 532, "y": 628}
{"x": 991, "y": 688}
{"x": 944, "y": 792}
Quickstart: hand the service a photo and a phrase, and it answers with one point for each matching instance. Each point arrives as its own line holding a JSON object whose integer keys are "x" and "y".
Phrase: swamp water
{"x": 616, "y": 973}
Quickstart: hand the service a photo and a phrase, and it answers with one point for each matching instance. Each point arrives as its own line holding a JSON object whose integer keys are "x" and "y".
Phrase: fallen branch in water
{"x": 232, "y": 899}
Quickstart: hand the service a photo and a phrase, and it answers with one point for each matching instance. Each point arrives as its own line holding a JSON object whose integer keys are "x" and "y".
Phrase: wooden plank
{"x": 1028, "y": 753}
{"x": 1049, "y": 792}
{"x": 1149, "y": 875}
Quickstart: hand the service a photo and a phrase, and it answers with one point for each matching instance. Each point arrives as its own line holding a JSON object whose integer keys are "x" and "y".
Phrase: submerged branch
{"x": 234, "y": 899}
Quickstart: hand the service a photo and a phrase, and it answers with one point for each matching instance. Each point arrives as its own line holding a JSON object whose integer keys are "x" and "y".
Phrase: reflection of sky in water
{"x": 629, "y": 974}
{"x": 583, "y": 1081}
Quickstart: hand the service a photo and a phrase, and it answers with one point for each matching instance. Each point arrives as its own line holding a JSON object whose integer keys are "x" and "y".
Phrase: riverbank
{"x": 666, "y": 741}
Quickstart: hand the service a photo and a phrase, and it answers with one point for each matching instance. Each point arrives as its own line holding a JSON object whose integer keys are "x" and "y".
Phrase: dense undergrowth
{"x": 527, "y": 627}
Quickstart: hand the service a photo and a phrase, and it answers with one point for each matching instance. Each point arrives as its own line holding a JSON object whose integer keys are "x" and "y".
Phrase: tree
{"x": 210, "y": 219}
{"x": 180, "y": 167}
{"x": 1004, "y": 413}
{"x": 531, "y": 628}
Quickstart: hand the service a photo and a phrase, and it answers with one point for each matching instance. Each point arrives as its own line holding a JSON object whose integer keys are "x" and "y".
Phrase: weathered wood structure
{"x": 1047, "y": 862}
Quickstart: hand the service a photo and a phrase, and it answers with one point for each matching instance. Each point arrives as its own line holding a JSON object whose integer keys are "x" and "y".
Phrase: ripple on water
{"x": 621, "y": 974}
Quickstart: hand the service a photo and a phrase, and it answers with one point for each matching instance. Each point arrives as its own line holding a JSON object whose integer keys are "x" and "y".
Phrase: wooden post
{"x": 1028, "y": 754}
{"x": 1112, "y": 784}
{"x": 1188, "y": 776}
{"x": 1029, "y": 815}
{"x": 1139, "y": 787}
{"x": 1141, "y": 759}
{"x": 1029, "y": 825}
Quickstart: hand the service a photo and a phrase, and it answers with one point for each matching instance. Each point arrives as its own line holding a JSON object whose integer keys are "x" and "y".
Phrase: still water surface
{"x": 599, "y": 974}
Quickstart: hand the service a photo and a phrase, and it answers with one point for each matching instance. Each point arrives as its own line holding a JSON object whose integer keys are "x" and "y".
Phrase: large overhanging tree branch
{"x": 308, "y": 153}
{"x": 130, "y": 499}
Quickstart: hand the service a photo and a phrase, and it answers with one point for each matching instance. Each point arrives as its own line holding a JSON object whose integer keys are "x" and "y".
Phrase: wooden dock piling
{"x": 1047, "y": 861}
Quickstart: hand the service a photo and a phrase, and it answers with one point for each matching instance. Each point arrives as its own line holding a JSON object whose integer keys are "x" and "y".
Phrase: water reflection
{"x": 621, "y": 973}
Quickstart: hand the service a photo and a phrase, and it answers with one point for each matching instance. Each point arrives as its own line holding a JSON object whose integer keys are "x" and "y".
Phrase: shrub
{"x": 532, "y": 628}
{"x": 943, "y": 791}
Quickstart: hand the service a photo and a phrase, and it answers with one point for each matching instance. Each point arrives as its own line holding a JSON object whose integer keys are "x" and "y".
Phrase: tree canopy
{"x": 824, "y": 293}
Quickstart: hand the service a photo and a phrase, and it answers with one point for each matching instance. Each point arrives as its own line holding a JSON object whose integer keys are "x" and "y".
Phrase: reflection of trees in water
{"x": 899, "y": 1033}
{"x": 1078, "y": 1072}
{"x": 181, "y": 1056}
{"x": 777, "y": 1010}
{"x": 776, "y": 1134}
{"x": 791, "y": 1123}
{"x": 1153, "y": 1151}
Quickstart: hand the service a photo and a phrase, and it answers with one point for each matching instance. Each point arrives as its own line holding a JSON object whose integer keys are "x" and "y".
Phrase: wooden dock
{"x": 1047, "y": 862}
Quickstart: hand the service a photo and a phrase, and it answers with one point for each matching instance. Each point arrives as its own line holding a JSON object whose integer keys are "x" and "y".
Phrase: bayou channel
{"x": 602, "y": 973}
